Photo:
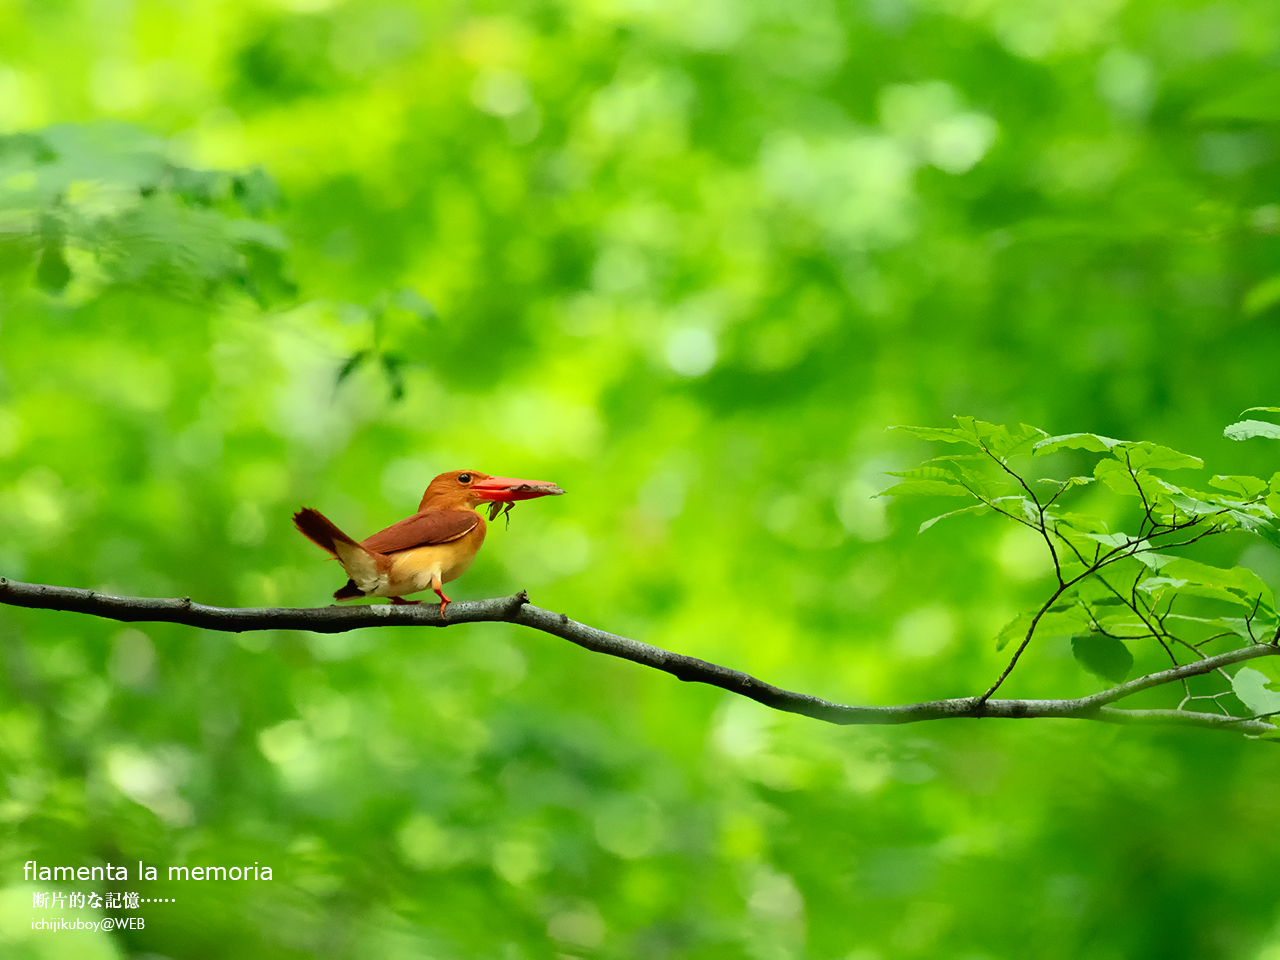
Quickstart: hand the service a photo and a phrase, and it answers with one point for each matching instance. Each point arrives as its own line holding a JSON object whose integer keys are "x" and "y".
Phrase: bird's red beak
{"x": 509, "y": 489}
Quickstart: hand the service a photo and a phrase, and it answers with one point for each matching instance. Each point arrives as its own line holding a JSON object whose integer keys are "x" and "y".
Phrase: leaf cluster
{"x": 103, "y": 204}
{"x": 1117, "y": 589}
{"x": 400, "y": 329}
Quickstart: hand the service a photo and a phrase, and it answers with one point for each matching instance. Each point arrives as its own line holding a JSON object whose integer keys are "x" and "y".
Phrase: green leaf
{"x": 1098, "y": 592}
{"x": 1273, "y": 498}
{"x": 1126, "y": 624}
{"x": 1116, "y": 476}
{"x": 1258, "y": 632}
{"x": 924, "y": 472}
{"x": 976, "y": 508}
{"x": 1244, "y": 487}
{"x": 1081, "y": 522}
{"x": 946, "y": 434}
{"x": 1065, "y": 618}
{"x": 1015, "y": 629}
{"x": 1159, "y": 587}
{"x": 1063, "y": 485}
{"x": 1154, "y": 561}
{"x": 1104, "y": 657}
{"x": 984, "y": 485}
{"x": 1260, "y": 410}
{"x": 1076, "y": 441}
{"x": 1145, "y": 455}
{"x": 1247, "y": 429}
{"x": 998, "y": 439}
{"x": 925, "y": 488}
{"x": 1081, "y": 541}
{"x": 1251, "y": 687}
{"x": 1238, "y": 585}
{"x": 1192, "y": 506}
{"x": 1257, "y": 526}
{"x": 1233, "y": 578}
{"x": 1030, "y": 511}
{"x": 1002, "y": 440}
{"x": 1116, "y": 539}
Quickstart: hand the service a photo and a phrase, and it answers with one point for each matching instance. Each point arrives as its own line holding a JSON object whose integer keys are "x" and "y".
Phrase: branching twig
{"x": 517, "y": 609}
{"x": 1101, "y": 561}
{"x": 1040, "y": 508}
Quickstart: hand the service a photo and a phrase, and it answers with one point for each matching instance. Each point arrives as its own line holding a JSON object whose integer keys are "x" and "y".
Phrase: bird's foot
{"x": 402, "y": 602}
{"x": 438, "y": 586}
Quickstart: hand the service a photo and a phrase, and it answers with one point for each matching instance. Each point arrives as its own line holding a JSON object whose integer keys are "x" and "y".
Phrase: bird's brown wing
{"x": 423, "y": 529}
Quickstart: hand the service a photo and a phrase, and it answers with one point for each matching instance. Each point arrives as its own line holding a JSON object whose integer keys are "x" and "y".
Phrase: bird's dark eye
{"x": 464, "y": 478}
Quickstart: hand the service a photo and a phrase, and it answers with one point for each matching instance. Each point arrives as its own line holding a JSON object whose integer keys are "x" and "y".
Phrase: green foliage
{"x": 1246, "y": 429}
{"x": 688, "y": 261}
{"x": 1111, "y": 589}
{"x": 400, "y": 330}
{"x": 1251, "y": 686}
{"x": 1103, "y": 656}
{"x": 108, "y": 197}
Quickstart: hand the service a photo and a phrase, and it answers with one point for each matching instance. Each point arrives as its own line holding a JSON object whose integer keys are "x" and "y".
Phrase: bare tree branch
{"x": 517, "y": 609}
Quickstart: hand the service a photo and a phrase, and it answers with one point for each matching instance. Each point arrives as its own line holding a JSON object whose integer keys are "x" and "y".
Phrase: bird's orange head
{"x": 470, "y": 488}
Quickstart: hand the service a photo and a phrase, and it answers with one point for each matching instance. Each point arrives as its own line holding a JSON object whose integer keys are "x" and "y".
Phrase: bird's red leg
{"x": 402, "y": 602}
{"x": 438, "y": 587}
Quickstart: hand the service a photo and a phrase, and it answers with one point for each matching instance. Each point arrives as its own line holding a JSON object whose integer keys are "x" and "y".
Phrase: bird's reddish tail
{"x": 320, "y": 530}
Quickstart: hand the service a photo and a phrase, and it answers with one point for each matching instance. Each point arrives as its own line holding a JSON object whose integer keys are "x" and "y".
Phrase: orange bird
{"x": 428, "y": 549}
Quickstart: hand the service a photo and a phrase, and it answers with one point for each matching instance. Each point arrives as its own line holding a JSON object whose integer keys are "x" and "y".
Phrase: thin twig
{"x": 1116, "y": 554}
{"x": 1040, "y": 508}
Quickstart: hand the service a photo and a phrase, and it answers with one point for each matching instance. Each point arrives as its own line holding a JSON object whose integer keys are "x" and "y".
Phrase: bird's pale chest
{"x": 412, "y": 570}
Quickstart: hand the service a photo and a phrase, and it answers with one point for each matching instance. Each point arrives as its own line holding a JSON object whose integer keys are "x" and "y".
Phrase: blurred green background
{"x": 688, "y": 261}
